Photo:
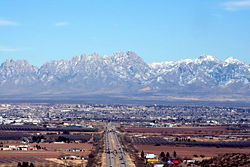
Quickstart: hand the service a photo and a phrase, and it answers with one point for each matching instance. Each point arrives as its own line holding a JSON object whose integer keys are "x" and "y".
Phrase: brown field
{"x": 40, "y": 158}
{"x": 181, "y": 130}
{"x": 10, "y": 142}
{"x": 185, "y": 131}
{"x": 184, "y": 151}
{"x": 11, "y": 158}
{"x": 64, "y": 146}
{"x": 29, "y": 154}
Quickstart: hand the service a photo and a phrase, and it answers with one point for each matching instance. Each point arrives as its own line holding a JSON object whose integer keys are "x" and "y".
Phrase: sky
{"x": 157, "y": 30}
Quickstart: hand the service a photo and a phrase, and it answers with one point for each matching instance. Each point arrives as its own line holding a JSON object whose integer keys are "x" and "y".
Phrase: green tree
{"x": 62, "y": 139}
{"x": 38, "y": 147}
{"x": 19, "y": 164}
{"x": 167, "y": 156}
{"x": 25, "y": 164}
{"x": 162, "y": 155}
{"x": 142, "y": 154}
{"x": 174, "y": 154}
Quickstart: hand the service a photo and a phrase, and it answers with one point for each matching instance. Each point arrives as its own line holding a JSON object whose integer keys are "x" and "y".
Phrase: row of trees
{"x": 59, "y": 138}
{"x": 25, "y": 164}
{"x": 157, "y": 141}
{"x": 163, "y": 156}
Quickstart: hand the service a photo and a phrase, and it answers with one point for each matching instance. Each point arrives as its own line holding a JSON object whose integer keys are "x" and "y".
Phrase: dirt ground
{"x": 41, "y": 157}
{"x": 188, "y": 152}
{"x": 185, "y": 130}
{"x": 65, "y": 146}
{"x": 38, "y": 158}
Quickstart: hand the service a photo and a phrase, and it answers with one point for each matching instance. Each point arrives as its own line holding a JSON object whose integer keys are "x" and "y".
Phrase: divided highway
{"x": 115, "y": 156}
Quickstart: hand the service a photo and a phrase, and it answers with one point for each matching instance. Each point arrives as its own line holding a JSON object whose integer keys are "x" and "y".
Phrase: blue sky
{"x": 157, "y": 30}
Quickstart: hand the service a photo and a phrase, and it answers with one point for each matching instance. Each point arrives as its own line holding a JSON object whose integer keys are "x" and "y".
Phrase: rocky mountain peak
{"x": 207, "y": 58}
{"x": 127, "y": 72}
{"x": 232, "y": 60}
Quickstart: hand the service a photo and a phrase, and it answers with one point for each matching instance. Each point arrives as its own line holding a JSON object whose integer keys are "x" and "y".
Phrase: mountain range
{"x": 124, "y": 75}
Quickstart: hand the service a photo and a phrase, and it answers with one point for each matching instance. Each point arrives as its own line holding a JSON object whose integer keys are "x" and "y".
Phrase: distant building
{"x": 150, "y": 156}
{"x": 76, "y": 150}
{"x": 72, "y": 157}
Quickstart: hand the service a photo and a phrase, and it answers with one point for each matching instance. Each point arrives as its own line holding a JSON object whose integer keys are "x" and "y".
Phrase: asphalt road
{"x": 115, "y": 155}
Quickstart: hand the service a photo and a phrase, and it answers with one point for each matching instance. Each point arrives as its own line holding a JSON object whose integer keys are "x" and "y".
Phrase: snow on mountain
{"x": 232, "y": 60}
{"x": 207, "y": 58}
{"x": 125, "y": 72}
{"x": 17, "y": 72}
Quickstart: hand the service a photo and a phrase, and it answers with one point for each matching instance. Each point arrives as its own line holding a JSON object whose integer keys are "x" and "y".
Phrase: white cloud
{"x": 236, "y": 5}
{"x": 4, "y": 22}
{"x": 10, "y": 49}
{"x": 59, "y": 24}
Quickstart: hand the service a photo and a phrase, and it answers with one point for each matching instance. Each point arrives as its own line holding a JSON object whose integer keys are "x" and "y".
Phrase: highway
{"x": 115, "y": 155}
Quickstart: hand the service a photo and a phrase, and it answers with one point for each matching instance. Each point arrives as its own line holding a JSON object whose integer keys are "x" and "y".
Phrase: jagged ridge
{"x": 124, "y": 72}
